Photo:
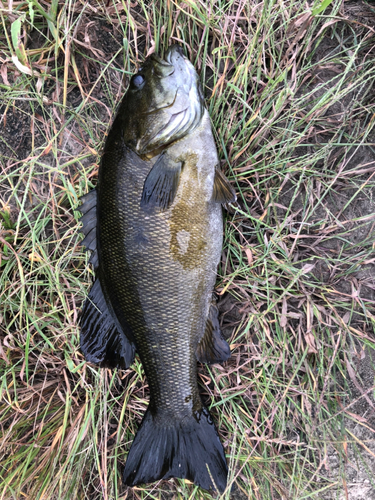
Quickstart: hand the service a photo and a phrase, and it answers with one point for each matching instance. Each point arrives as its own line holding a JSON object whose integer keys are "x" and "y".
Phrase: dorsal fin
{"x": 88, "y": 219}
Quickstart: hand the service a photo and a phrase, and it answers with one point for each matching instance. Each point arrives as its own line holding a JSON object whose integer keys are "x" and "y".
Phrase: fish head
{"x": 164, "y": 102}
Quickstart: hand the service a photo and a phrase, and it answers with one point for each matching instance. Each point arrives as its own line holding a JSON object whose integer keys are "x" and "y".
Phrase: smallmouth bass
{"x": 154, "y": 226}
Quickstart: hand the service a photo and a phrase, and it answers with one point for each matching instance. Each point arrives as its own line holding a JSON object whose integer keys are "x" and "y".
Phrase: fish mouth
{"x": 162, "y": 68}
{"x": 172, "y": 55}
{"x": 174, "y": 52}
{"x": 185, "y": 107}
{"x": 176, "y": 58}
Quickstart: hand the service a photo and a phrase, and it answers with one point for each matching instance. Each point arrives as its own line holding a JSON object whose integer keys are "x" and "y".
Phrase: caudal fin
{"x": 188, "y": 449}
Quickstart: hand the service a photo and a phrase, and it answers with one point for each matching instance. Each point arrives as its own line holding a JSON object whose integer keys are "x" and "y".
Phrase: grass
{"x": 290, "y": 94}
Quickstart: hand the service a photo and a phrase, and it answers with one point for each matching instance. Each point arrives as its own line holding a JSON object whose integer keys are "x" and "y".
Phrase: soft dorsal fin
{"x": 161, "y": 184}
{"x": 223, "y": 191}
{"x": 88, "y": 219}
{"x": 212, "y": 347}
{"x": 103, "y": 341}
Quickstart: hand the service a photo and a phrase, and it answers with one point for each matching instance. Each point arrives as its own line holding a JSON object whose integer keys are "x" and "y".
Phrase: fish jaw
{"x": 167, "y": 105}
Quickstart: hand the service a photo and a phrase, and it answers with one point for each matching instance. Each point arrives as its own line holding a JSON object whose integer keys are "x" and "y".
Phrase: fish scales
{"x": 173, "y": 288}
{"x": 158, "y": 244}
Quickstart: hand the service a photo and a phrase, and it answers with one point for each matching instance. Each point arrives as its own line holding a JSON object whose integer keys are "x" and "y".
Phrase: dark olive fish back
{"x": 157, "y": 246}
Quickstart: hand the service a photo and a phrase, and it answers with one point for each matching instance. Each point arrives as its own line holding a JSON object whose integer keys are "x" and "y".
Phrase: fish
{"x": 154, "y": 226}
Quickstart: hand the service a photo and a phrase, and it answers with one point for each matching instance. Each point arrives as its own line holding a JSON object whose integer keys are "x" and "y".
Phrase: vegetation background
{"x": 289, "y": 86}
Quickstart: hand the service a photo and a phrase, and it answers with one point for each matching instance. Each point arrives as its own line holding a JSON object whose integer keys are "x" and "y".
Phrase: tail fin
{"x": 188, "y": 449}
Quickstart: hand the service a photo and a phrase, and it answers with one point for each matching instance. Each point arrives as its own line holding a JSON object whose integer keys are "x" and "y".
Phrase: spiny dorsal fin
{"x": 88, "y": 219}
{"x": 223, "y": 191}
{"x": 161, "y": 184}
{"x": 212, "y": 348}
{"x": 103, "y": 341}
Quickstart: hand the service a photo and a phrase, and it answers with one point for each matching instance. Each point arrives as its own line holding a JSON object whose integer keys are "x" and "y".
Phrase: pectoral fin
{"x": 212, "y": 348}
{"x": 161, "y": 184}
{"x": 223, "y": 191}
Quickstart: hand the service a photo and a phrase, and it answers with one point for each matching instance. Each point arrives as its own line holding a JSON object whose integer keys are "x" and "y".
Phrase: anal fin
{"x": 212, "y": 348}
{"x": 103, "y": 342}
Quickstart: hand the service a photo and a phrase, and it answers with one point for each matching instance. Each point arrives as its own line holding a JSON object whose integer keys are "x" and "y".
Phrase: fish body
{"x": 155, "y": 230}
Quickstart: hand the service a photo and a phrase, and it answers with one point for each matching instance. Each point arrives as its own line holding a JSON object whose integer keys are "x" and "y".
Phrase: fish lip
{"x": 171, "y": 51}
{"x": 155, "y": 57}
{"x": 171, "y": 57}
{"x": 160, "y": 65}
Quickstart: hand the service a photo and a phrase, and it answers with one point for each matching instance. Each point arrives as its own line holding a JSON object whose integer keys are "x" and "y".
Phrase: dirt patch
{"x": 355, "y": 457}
{"x": 16, "y": 135}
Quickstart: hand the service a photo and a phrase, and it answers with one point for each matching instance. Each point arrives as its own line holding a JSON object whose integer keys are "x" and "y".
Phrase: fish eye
{"x": 137, "y": 81}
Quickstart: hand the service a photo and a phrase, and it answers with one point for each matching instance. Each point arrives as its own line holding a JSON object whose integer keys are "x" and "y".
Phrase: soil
{"x": 357, "y": 462}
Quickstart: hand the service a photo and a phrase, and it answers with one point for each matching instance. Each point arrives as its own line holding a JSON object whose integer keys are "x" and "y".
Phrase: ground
{"x": 290, "y": 90}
